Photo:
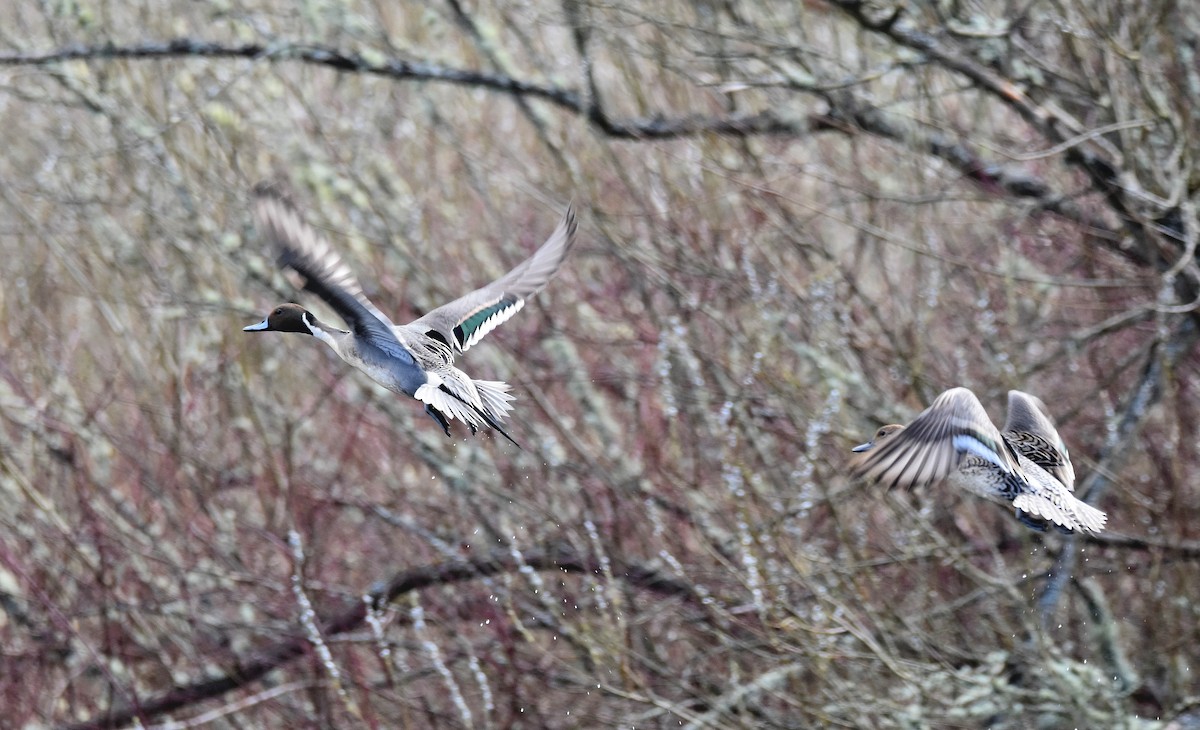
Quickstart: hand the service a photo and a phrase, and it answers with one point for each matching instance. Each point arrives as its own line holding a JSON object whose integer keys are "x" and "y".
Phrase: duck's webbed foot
{"x": 1032, "y": 522}
{"x": 436, "y": 415}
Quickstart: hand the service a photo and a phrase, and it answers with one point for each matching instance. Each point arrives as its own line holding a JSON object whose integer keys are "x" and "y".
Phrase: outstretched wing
{"x": 934, "y": 444}
{"x": 1031, "y": 431}
{"x": 465, "y": 321}
{"x": 300, "y": 248}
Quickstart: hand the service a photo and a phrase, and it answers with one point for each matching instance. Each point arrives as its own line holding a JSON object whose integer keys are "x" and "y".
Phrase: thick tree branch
{"x": 266, "y": 660}
{"x": 847, "y": 113}
{"x": 1104, "y": 173}
{"x": 395, "y": 68}
{"x": 1121, "y": 439}
{"x": 314, "y": 54}
{"x": 1180, "y": 550}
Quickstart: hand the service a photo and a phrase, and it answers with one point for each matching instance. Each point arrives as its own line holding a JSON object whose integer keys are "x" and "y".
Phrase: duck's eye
{"x": 278, "y": 312}
{"x": 881, "y": 433}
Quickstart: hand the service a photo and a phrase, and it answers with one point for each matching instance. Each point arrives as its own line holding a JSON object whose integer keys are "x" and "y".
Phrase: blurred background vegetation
{"x": 799, "y": 220}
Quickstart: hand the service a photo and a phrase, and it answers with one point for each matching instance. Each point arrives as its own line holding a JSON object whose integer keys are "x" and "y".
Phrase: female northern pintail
{"x": 1027, "y": 466}
{"x": 416, "y": 359}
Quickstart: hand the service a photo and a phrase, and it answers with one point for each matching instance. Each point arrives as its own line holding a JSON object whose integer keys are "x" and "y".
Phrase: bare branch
{"x": 353, "y": 617}
{"x": 1120, "y": 441}
{"x": 1105, "y": 172}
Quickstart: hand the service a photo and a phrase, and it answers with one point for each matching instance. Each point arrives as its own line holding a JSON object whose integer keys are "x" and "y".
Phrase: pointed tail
{"x": 483, "y": 415}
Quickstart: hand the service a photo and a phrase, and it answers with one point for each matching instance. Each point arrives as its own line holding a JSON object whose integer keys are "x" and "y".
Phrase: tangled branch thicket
{"x": 799, "y": 221}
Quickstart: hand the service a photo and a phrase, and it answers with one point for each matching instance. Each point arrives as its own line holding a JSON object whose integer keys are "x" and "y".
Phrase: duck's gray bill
{"x": 256, "y": 327}
{"x": 856, "y": 449}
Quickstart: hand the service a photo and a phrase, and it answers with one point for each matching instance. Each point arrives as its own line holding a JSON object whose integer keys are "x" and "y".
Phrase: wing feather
{"x": 934, "y": 444}
{"x": 300, "y": 248}
{"x": 1030, "y": 429}
{"x": 464, "y": 321}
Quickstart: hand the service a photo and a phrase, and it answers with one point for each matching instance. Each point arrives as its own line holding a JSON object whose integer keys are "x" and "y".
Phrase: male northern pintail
{"x": 416, "y": 359}
{"x": 1027, "y": 466}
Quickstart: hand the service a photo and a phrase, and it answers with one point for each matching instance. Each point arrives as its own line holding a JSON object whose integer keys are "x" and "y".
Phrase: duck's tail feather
{"x": 445, "y": 402}
{"x": 1090, "y": 518}
{"x": 1062, "y": 509}
{"x": 494, "y": 398}
{"x": 483, "y": 415}
{"x": 497, "y": 427}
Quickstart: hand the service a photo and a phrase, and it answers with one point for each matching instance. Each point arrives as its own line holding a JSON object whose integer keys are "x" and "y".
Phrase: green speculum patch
{"x": 467, "y": 328}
